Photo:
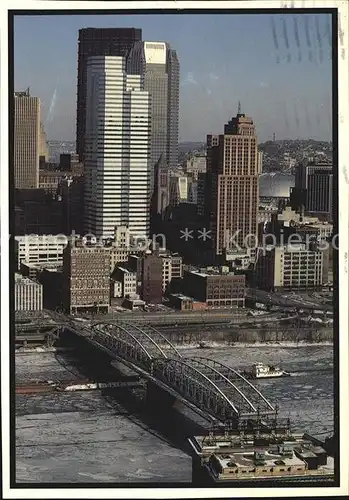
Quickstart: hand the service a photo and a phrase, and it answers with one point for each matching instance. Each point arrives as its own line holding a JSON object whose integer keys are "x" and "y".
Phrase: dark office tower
{"x": 315, "y": 182}
{"x": 98, "y": 42}
{"x": 159, "y": 65}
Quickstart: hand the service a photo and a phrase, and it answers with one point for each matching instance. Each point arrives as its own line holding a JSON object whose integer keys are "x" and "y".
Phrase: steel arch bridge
{"x": 214, "y": 389}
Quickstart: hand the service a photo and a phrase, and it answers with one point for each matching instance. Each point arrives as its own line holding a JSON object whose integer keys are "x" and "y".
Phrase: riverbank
{"x": 223, "y": 345}
{"x": 249, "y": 336}
{"x": 195, "y": 345}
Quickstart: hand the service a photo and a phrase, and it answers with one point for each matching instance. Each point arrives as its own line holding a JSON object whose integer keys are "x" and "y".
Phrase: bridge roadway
{"x": 215, "y": 391}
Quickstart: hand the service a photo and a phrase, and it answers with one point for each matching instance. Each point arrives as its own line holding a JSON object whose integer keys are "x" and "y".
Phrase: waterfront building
{"x": 215, "y": 287}
{"x": 291, "y": 267}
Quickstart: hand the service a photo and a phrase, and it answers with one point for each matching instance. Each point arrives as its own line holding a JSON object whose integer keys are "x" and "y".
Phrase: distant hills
{"x": 295, "y": 144}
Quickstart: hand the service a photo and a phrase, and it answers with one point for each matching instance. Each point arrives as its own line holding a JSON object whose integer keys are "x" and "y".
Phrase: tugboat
{"x": 265, "y": 371}
{"x": 203, "y": 345}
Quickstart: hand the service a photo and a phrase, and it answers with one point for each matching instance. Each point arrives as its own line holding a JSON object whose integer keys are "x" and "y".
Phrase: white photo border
{"x": 343, "y": 264}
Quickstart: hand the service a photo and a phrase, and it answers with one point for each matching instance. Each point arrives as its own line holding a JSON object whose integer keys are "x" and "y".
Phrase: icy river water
{"x": 82, "y": 437}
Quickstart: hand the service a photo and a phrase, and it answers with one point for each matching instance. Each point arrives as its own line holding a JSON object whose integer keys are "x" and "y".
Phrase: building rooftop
{"x": 48, "y": 266}
{"x": 125, "y": 270}
{"x": 23, "y": 280}
{"x": 182, "y": 296}
{"x": 243, "y": 458}
{"x": 280, "y": 456}
{"x": 214, "y": 271}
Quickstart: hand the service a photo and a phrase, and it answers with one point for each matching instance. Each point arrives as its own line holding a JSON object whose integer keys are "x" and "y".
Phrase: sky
{"x": 278, "y": 66}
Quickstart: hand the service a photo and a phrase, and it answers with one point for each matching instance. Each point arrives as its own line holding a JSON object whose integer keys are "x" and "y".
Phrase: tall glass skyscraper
{"x": 98, "y": 42}
{"x": 159, "y": 65}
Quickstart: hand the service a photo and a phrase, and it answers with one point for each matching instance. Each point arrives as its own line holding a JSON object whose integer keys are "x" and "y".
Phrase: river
{"x": 82, "y": 437}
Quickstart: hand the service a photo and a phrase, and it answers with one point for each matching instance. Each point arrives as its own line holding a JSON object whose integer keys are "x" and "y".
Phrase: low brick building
{"x": 215, "y": 287}
{"x": 185, "y": 303}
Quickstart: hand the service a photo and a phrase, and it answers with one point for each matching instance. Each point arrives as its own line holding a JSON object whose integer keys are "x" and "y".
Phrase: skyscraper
{"x": 314, "y": 188}
{"x": 117, "y": 157}
{"x": 160, "y": 66}
{"x": 231, "y": 190}
{"x": 26, "y": 140}
{"x": 98, "y": 42}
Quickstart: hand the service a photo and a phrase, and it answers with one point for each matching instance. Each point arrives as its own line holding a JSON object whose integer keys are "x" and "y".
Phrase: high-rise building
{"x": 314, "y": 188}
{"x": 98, "y": 42}
{"x": 159, "y": 64}
{"x": 117, "y": 156}
{"x": 27, "y": 134}
{"x": 231, "y": 187}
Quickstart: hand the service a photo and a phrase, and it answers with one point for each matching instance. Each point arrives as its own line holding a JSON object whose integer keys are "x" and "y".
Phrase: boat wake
{"x": 312, "y": 370}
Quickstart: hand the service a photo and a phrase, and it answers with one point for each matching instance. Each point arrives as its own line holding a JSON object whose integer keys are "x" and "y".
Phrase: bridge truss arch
{"x": 233, "y": 384}
{"x": 185, "y": 378}
{"x": 123, "y": 343}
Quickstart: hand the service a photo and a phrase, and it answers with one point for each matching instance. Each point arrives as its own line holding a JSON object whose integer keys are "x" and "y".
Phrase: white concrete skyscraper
{"x": 159, "y": 64}
{"x": 117, "y": 160}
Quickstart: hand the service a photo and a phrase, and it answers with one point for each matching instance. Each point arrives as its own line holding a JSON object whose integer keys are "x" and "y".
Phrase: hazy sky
{"x": 279, "y": 67}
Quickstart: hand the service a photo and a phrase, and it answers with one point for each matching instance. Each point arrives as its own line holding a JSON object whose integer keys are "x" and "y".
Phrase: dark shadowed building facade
{"x": 151, "y": 288}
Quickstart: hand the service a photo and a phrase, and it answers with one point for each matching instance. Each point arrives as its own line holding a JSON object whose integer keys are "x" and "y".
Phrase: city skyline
{"x": 292, "y": 57}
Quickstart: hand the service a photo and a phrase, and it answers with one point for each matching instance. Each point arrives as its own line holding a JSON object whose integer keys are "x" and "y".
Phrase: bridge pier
{"x": 157, "y": 399}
